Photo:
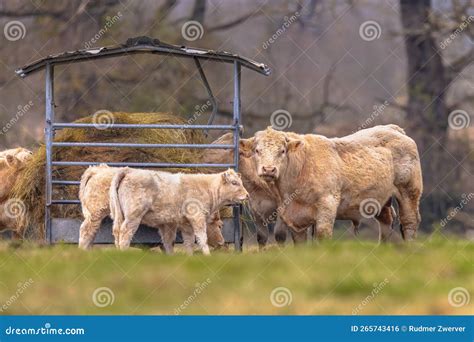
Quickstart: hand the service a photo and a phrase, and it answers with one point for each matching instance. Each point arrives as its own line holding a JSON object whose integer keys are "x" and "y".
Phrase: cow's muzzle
{"x": 268, "y": 173}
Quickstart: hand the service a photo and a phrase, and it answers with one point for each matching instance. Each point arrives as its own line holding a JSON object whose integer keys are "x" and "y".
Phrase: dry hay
{"x": 30, "y": 186}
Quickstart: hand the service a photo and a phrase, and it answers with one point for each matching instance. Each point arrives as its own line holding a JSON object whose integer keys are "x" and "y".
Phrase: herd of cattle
{"x": 295, "y": 181}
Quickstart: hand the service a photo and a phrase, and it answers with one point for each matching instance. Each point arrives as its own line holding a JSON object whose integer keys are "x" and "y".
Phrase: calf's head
{"x": 271, "y": 151}
{"x": 231, "y": 188}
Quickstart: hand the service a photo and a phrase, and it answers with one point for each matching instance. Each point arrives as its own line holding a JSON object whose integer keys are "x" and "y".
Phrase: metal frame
{"x": 139, "y": 45}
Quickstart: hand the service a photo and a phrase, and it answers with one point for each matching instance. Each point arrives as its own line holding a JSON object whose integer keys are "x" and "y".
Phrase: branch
{"x": 234, "y": 22}
{"x": 397, "y": 105}
{"x": 26, "y": 14}
{"x": 462, "y": 62}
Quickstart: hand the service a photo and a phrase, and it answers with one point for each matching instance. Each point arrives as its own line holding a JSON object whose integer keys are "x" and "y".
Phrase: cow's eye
{"x": 257, "y": 151}
{"x": 282, "y": 151}
{"x": 235, "y": 183}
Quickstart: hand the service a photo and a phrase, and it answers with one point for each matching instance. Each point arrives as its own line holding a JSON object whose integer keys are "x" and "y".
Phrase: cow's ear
{"x": 225, "y": 177}
{"x": 293, "y": 144}
{"x": 245, "y": 147}
{"x": 239, "y": 174}
{"x": 11, "y": 160}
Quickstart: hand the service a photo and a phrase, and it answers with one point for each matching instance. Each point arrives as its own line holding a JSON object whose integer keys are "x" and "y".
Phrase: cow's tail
{"x": 397, "y": 128}
{"x": 115, "y": 208}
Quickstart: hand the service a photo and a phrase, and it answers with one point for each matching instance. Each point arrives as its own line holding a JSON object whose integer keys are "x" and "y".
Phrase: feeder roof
{"x": 141, "y": 45}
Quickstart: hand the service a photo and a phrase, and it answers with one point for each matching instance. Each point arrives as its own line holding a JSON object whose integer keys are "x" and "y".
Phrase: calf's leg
{"x": 168, "y": 236}
{"x": 188, "y": 239}
{"x": 200, "y": 230}
{"x": 88, "y": 230}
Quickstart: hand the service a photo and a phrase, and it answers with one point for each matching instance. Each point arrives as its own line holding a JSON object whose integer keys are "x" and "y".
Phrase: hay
{"x": 30, "y": 186}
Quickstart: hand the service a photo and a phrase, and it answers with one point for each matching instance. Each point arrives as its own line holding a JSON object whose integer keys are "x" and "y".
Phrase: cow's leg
{"x": 408, "y": 203}
{"x": 385, "y": 221}
{"x": 281, "y": 230}
{"x": 188, "y": 239}
{"x": 326, "y": 216}
{"x": 88, "y": 230}
{"x": 262, "y": 231}
{"x": 299, "y": 237}
{"x": 200, "y": 231}
{"x": 168, "y": 235}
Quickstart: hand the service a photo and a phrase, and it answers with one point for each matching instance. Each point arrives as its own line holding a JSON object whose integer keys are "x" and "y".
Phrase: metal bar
{"x": 69, "y": 201}
{"x": 65, "y": 182}
{"x": 157, "y": 165}
{"x": 112, "y": 52}
{"x": 153, "y": 126}
{"x": 97, "y": 144}
{"x": 209, "y": 92}
{"x": 48, "y": 137}
{"x": 236, "y": 117}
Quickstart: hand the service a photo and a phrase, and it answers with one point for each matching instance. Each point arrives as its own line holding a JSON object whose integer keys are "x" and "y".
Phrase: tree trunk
{"x": 427, "y": 115}
{"x": 199, "y": 11}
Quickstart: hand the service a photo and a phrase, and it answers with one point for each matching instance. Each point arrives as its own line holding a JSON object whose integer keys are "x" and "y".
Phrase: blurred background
{"x": 337, "y": 66}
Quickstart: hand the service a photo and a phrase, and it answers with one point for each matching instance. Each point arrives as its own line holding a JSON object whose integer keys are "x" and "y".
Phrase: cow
{"x": 263, "y": 201}
{"x": 94, "y": 197}
{"x": 165, "y": 200}
{"x": 320, "y": 180}
{"x": 12, "y": 161}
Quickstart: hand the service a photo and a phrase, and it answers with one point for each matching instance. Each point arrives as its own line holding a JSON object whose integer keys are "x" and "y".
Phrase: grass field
{"x": 336, "y": 277}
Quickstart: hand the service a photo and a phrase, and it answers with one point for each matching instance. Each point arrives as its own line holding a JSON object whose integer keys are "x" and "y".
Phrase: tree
{"x": 428, "y": 80}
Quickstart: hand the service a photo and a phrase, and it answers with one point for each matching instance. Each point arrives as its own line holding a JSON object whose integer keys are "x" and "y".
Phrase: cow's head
{"x": 16, "y": 158}
{"x": 271, "y": 149}
{"x": 232, "y": 190}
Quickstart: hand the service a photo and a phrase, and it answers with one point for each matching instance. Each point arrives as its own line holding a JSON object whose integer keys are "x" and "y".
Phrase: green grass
{"x": 335, "y": 277}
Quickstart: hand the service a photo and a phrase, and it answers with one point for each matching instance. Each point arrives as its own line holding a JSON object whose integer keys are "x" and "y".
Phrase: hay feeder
{"x": 67, "y": 229}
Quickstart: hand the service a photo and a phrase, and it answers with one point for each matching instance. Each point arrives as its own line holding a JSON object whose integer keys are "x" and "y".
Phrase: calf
{"x": 94, "y": 196}
{"x": 165, "y": 201}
